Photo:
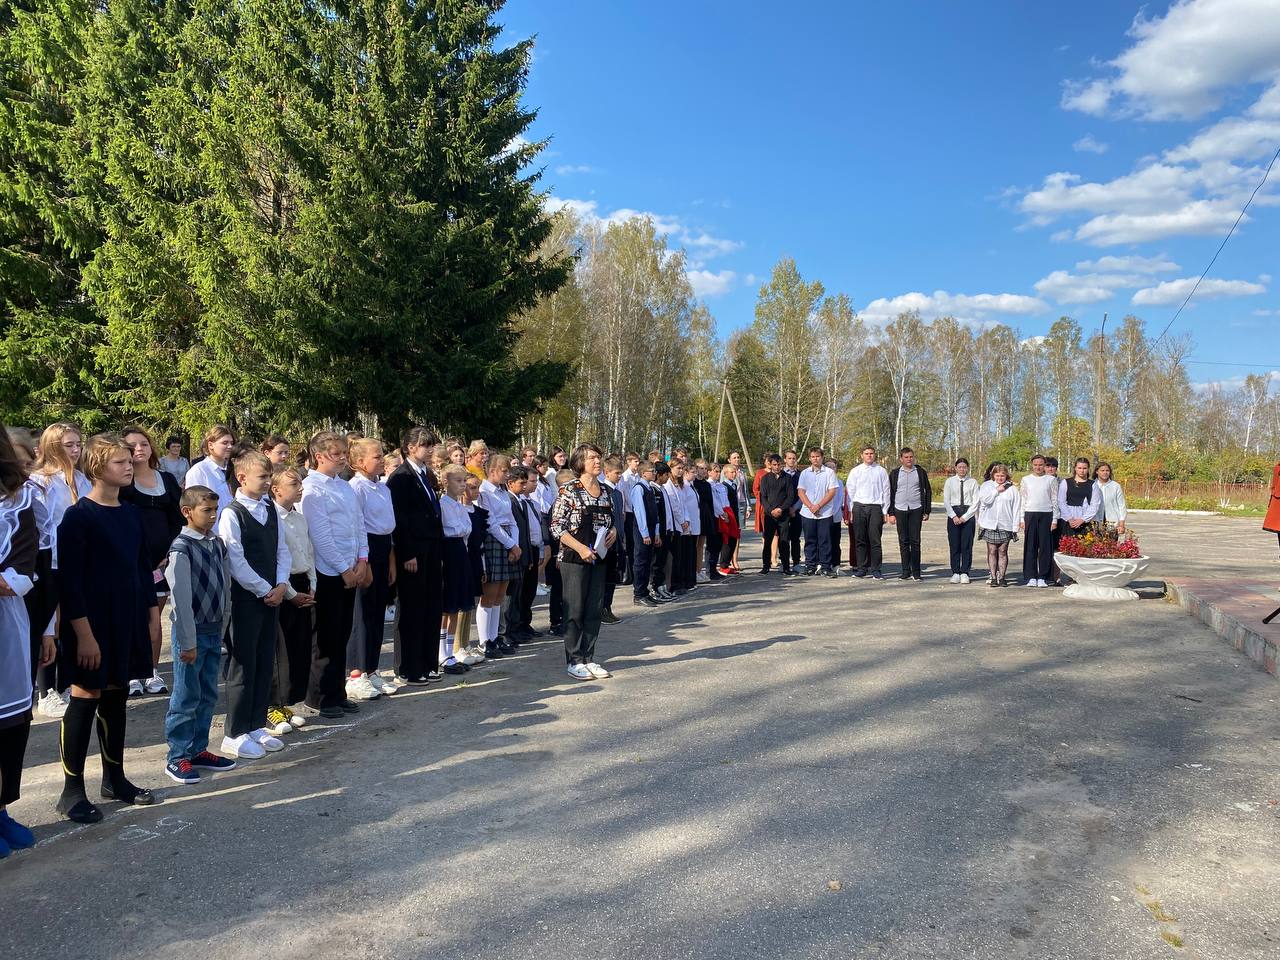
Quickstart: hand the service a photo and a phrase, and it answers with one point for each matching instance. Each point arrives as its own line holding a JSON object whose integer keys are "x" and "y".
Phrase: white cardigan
{"x": 999, "y": 511}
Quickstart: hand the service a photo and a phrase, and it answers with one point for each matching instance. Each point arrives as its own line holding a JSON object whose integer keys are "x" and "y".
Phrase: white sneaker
{"x": 955, "y": 578}
{"x": 579, "y": 671}
{"x": 1032, "y": 583}
{"x": 155, "y": 684}
{"x": 466, "y": 656}
{"x": 135, "y": 688}
{"x": 599, "y": 672}
{"x": 964, "y": 578}
{"x": 380, "y": 684}
{"x": 704, "y": 577}
{"x": 242, "y": 747}
{"x": 51, "y": 705}
{"x": 302, "y": 713}
{"x": 359, "y": 688}
{"x": 389, "y": 615}
{"x": 476, "y": 653}
{"x": 265, "y": 740}
{"x": 278, "y": 729}
{"x": 543, "y": 590}
{"x": 395, "y": 680}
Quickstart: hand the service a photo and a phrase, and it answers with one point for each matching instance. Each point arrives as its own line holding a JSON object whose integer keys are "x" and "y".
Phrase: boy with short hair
{"x": 199, "y": 578}
{"x": 364, "y": 649}
{"x": 293, "y": 641}
{"x": 616, "y": 565}
{"x": 260, "y": 563}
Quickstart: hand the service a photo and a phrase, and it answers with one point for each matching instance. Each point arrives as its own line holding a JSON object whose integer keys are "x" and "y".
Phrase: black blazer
{"x": 419, "y": 525}
{"x": 926, "y": 491}
{"x": 522, "y": 525}
{"x": 706, "y": 507}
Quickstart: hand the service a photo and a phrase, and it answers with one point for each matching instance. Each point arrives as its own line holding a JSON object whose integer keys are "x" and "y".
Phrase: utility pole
{"x": 746, "y": 454}
{"x": 1097, "y": 390}
{"x": 724, "y": 388}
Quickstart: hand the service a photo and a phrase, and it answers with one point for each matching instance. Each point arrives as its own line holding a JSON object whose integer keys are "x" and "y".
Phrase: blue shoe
{"x": 181, "y": 771}
{"x": 14, "y": 835}
{"x": 204, "y": 760}
{"x": 4, "y": 849}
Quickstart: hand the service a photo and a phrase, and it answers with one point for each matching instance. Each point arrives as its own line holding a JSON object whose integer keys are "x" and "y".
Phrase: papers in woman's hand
{"x": 598, "y": 546}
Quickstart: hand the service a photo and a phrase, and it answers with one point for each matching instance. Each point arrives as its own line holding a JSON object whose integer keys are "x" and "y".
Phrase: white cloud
{"x": 1175, "y": 291}
{"x": 1128, "y": 265}
{"x": 1237, "y": 381}
{"x": 568, "y": 169}
{"x": 1087, "y": 144}
{"x": 699, "y": 243}
{"x": 1249, "y": 137}
{"x": 1065, "y": 287}
{"x": 1266, "y": 313}
{"x": 1182, "y": 65}
{"x": 707, "y": 284}
{"x": 940, "y": 303}
{"x": 1198, "y": 218}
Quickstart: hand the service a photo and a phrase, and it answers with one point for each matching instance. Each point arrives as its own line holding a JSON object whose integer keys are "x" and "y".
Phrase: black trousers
{"x": 293, "y": 646}
{"x": 528, "y": 591}
{"x": 13, "y": 747}
{"x": 629, "y": 527}
{"x": 714, "y": 543}
{"x": 641, "y": 562}
{"x": 249, "y": 666}
{"x": 866, "y": 528}
{"x": 793, "y": 539}
{"x": 583, "y": 601}
{"x": 908, "y": 524}
{"x": 960, "y": 540}
{"x": 658, "y": 577}
{"x": 817, "y": 542}
{"x": 728, "y": 545}
{"x": 41, "y": 600}
{"x": 1037, "y": 549}
{"x": 364, "y": 654}
{"x": 418, "y": 606}
{"x": 835, "y": 542}
{"x": 777, "y": 528}
{"x": 555, "y": 584}
{"x": 335, "y": 607}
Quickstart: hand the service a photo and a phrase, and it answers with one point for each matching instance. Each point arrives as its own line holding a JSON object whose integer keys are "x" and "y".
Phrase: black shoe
{"x": 646, "y": 601}
{"x": 765, "y": 570}
{"x": 126, "y": 792}
{"x": 492, "y": 651}
{"x": 905, "y": 576}
{"x": 877, "y": 575}
{"x": 454, "y": 668}
{"x": 508, "y": 649}
{"x": 332, "y": 713}
{"x": 992, "y": 582}
{"x": 832, "y": 574}
{"x": 434, "y": 676}
{"x": 859, "y": 574}
{"x": 557, "y": 630}
{"x": 788, "y": 573}
{"x": 606, "y": 616}
{"x": 349, "y": 706}
{"x": 916, "y": 577}
{"x": 532, "y": 634}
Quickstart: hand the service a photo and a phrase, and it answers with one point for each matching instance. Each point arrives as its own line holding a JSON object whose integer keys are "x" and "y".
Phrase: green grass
{"x": 1192, "y": 503}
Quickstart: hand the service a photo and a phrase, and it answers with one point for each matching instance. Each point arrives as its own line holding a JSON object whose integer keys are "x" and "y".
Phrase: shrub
{"x": 1102, "y": 544}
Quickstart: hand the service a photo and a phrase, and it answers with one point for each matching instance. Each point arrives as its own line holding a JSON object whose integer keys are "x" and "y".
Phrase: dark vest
{"x": 659, "y": 505}
{"x": 260, "y": 542}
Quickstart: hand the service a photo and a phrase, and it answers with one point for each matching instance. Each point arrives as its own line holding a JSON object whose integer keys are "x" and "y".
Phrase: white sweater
{"x": 1039, "y": 494}
{"x": 999, "y": 511}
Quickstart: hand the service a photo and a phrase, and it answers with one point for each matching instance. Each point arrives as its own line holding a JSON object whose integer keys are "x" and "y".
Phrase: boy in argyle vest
{"x": 199, "y": 577}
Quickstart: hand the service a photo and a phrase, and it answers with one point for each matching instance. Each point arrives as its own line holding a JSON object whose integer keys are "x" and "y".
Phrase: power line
{"x": 1206, "y": 270}
{"x": 1229, "y": 363}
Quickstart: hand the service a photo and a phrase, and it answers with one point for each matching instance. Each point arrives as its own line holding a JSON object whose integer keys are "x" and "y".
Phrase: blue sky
{"x": 1002, "y": 162}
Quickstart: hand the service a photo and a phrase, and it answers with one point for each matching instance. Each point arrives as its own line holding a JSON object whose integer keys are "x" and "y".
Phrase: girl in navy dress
{"x": 109, "y": 617}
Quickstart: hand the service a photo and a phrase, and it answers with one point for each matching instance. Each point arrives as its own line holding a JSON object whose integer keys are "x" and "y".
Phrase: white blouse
{"x": 207, "y": 473}
{"x": 456, "y": 518}
{"x": 999, "y": 511}
{"x": 502, "y": 522}
{"x": 375, "y": 505}
{"x": 55, "y": 496}
{"x": 955, "y": 490}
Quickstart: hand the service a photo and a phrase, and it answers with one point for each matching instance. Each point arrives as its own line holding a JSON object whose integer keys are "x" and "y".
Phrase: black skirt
{"x": 459, "y": 580}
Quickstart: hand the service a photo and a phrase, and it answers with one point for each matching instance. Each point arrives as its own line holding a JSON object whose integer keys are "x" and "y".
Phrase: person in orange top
{"x": 477, "y": 459}
{"x": 1272, "y": 520}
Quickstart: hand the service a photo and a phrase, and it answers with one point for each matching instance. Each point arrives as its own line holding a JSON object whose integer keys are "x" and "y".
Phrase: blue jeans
{"x": 195, "y": 694}
{"x": 817, "y": 542}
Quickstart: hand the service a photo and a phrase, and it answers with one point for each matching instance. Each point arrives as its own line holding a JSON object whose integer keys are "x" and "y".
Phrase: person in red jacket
{"x": 1272, "y": 520}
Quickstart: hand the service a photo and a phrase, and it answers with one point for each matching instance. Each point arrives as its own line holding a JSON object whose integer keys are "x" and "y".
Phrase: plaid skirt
{"x": 997, "y": 536}
{"x": 497, "y": 564}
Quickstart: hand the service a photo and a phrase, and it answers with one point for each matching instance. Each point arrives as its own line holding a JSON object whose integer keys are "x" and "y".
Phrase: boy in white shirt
{"x": 816, "y": 487}
{"x": 364, "y": 649}
{"x": 1039, "y": 492}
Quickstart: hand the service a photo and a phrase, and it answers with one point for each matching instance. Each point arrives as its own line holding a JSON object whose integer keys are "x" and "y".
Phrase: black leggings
{"x": 13, "y": 747}
{"x": 41, "y": 600}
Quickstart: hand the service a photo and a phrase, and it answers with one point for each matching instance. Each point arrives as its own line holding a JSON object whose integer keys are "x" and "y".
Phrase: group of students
{"x": 276, "y": 573}
{"x": 814, "y": 502}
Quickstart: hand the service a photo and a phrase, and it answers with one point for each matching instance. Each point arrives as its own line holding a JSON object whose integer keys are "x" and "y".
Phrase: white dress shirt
{"x": 676, "y": 515}
{"x": 1039, "y": 494}
{"x": 692, "y": 508}
{"x": 837, "y": 501}
{"x": 868, "y": 483}
{"x": 1086, "y": 511}
{"x": 502, "y": 522}
{"x": 956, "y": 490}
{"x": 55, "y": 497}
{"x": 207, "y": 473}
{"x": 455, "y": 517}
{"x": 229, "y": 531}
{"x": 533, "y": 515}
{"x": 336, "y": 524}
{"x": 816, "y": 484}
{"x": 302, "y": 557}
{"x": 375, "y": 505}
{"x": 626, "y": 483}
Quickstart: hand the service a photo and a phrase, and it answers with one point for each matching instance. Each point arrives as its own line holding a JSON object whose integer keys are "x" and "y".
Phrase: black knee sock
{"x": 111, "y": 727}
{"x": 73, "y": 744}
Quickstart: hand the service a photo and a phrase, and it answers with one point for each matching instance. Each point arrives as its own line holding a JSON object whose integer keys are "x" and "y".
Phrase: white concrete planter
{"x": 1100, "y": 579}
